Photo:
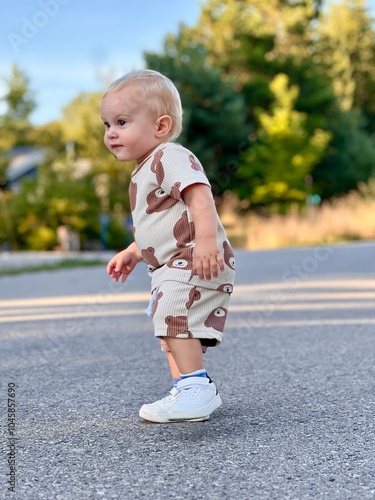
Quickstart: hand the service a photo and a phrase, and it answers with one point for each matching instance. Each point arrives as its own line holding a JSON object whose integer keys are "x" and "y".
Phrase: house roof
{"x": 24, "y": 160}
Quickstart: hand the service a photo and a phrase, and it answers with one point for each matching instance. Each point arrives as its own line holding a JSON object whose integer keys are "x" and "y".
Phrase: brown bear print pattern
{"x": 148, "y": 255}
{"x": 183, "y": 259}
{"x": 194, "y": 163}
{"x": 177, "y": 326}
{"x": 132, "y": 195}
{"x": 229, "y": 255}
{"x": 183, "y": 231}
{"x": 216, "y": 319}
{"x": 226, "y": 287}
{"x": 157, "y": 167}
{"x": 158, "y": 200}
{"x": 155, "y": 305}
{"x": 194, "y": 296}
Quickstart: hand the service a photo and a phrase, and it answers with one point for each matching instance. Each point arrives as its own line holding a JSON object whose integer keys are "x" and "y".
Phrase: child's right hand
{"x": 123, "y": 264}
{"x": 207, "y": 260}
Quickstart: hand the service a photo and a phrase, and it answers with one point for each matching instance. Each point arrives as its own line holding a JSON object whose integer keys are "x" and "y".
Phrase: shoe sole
{"x": 175, "y": 421}
{"x": 151, "y": 419}
{"x": 213, "y": 405}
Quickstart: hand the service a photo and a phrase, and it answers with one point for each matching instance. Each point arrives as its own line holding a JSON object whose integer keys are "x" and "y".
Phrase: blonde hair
{"x": 158, "y": 91}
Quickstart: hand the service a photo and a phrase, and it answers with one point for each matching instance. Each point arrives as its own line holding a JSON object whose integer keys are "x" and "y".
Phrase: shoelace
{"x": 170, "y": 396}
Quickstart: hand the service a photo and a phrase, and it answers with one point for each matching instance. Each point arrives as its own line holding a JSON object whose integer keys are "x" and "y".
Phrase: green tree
{"x": 243, "y": 45}
{"x": 256, "y": 40}
{"x": 56, "y": 197}
{"x": 274, "y": 169}
{"x": 267, "y": 31}
{"x": 48, "y": 136}
{"x": 345, "y": 52}
{"x": 81, "y": 125}
{"x": 253, "y": 40}
{"x": 350, "y": 158}
{"x": 19, "y": 102}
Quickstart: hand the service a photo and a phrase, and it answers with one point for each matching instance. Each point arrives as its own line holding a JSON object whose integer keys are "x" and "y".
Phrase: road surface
{"x": 295, "y": 372}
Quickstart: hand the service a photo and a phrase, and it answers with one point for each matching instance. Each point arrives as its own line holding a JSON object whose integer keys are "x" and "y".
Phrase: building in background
{"x": 23, "y": 163}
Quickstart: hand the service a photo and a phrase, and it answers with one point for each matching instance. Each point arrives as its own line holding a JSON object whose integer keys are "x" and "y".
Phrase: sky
{"x": 66, "y": 46}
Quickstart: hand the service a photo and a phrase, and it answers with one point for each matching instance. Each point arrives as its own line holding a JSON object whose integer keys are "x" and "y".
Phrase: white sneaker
{"x": 156, "y": 412}
{"x": 197, "y": 399}
{"x": 194, "y": 399}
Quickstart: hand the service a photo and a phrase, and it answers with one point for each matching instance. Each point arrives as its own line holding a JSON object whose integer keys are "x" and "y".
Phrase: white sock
{"x": 197, "y": 373}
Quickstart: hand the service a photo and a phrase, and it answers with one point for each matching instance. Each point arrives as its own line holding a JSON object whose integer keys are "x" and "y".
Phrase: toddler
{"x": 177, "y": 233}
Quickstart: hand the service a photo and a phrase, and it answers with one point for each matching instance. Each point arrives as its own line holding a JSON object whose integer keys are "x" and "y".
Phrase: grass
{"x": 63, "y": 264}
{"x": 349, "y": 218}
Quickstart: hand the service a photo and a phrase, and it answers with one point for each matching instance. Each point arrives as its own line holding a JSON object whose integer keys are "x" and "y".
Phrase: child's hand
{"x": 122, "y": 264}
{"x": 207, "y": 258}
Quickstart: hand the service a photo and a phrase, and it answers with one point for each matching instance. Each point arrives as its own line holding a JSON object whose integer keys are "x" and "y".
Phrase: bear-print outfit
{"x": 184, "y": 305}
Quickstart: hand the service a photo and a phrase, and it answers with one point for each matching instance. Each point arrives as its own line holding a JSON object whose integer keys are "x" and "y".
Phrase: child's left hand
{"x": 207, "y": 258}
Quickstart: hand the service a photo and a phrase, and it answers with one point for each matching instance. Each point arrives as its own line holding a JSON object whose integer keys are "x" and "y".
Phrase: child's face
{"x": 130, "y": 128}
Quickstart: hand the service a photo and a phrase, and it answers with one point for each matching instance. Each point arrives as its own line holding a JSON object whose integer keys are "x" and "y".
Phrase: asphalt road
{"x": 295, "y": 372}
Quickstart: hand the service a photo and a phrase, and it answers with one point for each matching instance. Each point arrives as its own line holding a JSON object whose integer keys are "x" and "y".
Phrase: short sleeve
{"x": 181, "y": 169}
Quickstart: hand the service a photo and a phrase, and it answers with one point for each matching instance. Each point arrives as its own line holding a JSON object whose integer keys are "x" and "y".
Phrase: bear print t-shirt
{"x": 163, "y": 226}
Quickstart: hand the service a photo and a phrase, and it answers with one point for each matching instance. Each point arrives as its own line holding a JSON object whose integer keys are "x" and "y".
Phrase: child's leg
{"x": 187, "y": 354}
{"x": 195, "y": 396}
{"x": 175, "y": 372}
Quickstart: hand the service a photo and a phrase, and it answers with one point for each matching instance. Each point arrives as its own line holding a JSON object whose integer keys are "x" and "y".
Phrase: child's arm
{"x": 124, "y": 262}
{"x": 207, "y": 256}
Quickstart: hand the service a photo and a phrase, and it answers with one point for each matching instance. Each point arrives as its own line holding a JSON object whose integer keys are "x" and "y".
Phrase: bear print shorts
{"x": 185, "y": 311}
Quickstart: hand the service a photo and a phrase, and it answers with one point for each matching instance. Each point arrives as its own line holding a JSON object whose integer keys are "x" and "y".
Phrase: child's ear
{"x": 163, "y": 126}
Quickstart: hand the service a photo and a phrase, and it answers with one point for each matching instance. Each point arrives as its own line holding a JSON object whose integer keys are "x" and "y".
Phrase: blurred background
{"x": 279, "y": 106}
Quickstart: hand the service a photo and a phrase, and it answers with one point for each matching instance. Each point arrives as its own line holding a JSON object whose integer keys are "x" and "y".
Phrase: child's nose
{"x": 111, "y": 132}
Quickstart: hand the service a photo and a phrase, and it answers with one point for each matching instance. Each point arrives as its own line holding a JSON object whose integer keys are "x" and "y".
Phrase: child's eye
{"x": 121, "y": 122}
{"x": 106, "y": 124}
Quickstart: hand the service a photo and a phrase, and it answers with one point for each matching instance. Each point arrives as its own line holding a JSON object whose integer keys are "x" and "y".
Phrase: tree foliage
{"x": 352, "y": 149}
{"x": 275, "y": 168}
{"x": 19, "y": 103}
{"x": 56, "y": 197}
{"x": 345, "y": 52}
{"x": 274, "y": 92}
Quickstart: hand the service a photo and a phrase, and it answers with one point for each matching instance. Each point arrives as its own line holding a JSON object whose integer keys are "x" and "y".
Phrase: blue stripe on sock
{"x": 198, "y": 373}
